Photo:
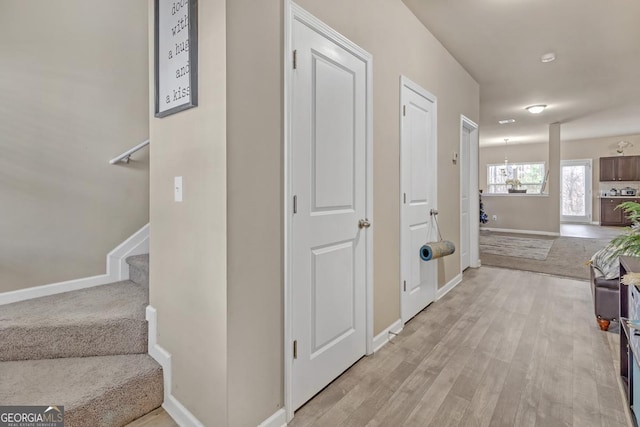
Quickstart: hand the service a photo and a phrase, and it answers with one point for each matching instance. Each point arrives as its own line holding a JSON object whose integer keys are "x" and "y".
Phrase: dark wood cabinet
{"x": 623, "y": 168}
{"x": 609, "y": 215}
{"x": 608, "y": 167}
{"x": 628, "y": 168}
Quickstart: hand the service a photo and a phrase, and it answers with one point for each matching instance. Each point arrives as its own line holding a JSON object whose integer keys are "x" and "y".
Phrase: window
{"x": 530, "y": 175}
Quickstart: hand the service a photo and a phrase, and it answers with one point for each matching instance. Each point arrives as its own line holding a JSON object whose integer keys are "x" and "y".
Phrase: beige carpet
{"x": 520, "y": 247}
{"x": 85, "y": 350}
{"x": 566, "y": 257}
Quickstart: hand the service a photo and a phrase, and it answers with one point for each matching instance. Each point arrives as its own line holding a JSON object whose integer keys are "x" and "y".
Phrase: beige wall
{"x": 188, "y": 240}
{"x": 255, "y": 186}
{"x": 517, "y": 212}
{"x": 537, "y": 213}
{"x": 73, "y": 79}
{"x": 400, "y": 45}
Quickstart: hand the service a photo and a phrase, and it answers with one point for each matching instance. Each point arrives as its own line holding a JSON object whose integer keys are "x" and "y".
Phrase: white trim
{"x": 595, "y": 223}
{"x": 117, "y": 270}
{"x": 278, "y": 419}
{"x": 174, "y": 408}
{"x": 588, "y": 164}
{"x": 288, "y": 327}
{"x": 137, "y": 244}
{"x": 474, "y": 207}
{"x": 293, "y": 12}
{"x": 385, "y": 336}
{"x": 449, "y": 286}
{"x": 510, "y": 230}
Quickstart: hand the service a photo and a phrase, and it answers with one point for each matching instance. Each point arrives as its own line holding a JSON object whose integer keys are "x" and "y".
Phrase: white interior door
{"x": 575, "y": 183}
{"x": 418, "y": 181}
{"x": 329, "y": 189}
{"x": 465, "y": 168}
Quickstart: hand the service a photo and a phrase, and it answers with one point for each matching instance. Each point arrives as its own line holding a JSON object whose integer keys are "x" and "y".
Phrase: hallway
{"x": 504, "y": 348}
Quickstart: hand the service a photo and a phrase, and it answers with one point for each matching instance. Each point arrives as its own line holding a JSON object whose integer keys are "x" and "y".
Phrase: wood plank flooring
{"x": 504, "y": 348}
{"x": 156, "y": 418}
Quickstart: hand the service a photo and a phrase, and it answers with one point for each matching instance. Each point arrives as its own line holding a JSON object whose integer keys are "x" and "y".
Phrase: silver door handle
{"x": 364, "y": 223}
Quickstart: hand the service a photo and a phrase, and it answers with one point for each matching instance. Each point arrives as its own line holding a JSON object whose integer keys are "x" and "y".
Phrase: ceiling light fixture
{"x": 536, "y": 109}
{"x": 505, "y": 171}
{"x": 548, "y": 57}
{"x": 506, "y": 121}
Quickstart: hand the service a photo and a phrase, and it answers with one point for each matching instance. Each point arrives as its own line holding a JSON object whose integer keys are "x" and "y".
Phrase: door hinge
{"x": 404, "y": 195}
{"x": 405, "y": 286}
{"x": 404, "y": 110}
{"x": 295, "y": 59}
{"x": 295, "y": 204}
{"x": 295, "y": 349}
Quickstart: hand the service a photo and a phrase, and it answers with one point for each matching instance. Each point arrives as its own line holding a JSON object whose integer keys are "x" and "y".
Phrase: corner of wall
{"x": 174, "y": 408}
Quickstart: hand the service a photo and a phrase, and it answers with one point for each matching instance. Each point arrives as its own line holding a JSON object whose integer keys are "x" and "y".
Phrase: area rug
{"x": 566, "y": 257}
{"x": 520, "y": 247}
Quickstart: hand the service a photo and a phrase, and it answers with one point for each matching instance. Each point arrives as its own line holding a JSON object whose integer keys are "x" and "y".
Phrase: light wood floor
{"x": 590, "y": 231}
{"x": 504, "y": 348}
{"x": 157, "y": 418}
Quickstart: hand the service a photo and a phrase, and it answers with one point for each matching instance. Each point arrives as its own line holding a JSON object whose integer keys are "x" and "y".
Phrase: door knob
{"x": 364, "y": 223}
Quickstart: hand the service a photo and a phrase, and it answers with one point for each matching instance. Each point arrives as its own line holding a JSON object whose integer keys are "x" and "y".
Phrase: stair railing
{"x": 126, "y": 156}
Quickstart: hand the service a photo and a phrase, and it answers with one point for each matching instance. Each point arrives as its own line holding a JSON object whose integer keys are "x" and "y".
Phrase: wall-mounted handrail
{"x": 126, "y": 156}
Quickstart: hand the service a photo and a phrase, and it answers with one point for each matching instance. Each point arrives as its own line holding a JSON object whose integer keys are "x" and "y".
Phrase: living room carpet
{"x": 520, "y": 247}
{"x": 566, "y": 257}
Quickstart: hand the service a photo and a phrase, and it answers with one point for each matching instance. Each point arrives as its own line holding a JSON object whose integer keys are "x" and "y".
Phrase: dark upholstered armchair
{"x": 606, "y": 300}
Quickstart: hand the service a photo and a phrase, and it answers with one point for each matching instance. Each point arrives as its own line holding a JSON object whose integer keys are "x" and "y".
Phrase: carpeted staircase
{"x": 85, "y": 350}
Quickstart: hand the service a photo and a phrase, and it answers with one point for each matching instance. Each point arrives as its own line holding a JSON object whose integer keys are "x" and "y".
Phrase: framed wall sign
{"x": 176, "y": 56}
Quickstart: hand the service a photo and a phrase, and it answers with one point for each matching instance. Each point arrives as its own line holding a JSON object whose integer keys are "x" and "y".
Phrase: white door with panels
{"x": 328, "y": 223}
{"x": 418, "y": 194}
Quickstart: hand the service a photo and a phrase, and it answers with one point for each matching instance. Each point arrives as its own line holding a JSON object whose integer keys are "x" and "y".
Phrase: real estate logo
{"x": 31, "y": 416}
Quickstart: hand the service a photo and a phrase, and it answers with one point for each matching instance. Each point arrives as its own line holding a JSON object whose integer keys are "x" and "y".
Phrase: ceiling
{"x": 593, "y": 86}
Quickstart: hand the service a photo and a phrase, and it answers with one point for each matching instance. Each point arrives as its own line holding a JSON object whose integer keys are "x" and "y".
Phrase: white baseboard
{"x": 384, "y": 337}
{"x": 510, "y": 230}
{"x": 117, "y": 270}
{"x": 174, "y": 408}
{"x": 279, "y": 419}
{"x": 449, "y": 286}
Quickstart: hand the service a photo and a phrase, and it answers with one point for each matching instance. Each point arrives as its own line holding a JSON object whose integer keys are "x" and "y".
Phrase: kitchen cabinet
{"x": 622, "y": 168}
{"x": 609, "y": 215}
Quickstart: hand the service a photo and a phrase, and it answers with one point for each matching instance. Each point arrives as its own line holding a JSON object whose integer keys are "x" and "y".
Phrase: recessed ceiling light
{"x": 506, "y": 121}
{"x": 548, "y": 57}
{"x": 536, "y": 109}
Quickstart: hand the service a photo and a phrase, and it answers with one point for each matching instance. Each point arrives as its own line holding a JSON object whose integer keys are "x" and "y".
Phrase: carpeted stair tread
{"x": 95, "y": 391}
{"x": 139, "y": 269}
{"x": 103, "y": 320}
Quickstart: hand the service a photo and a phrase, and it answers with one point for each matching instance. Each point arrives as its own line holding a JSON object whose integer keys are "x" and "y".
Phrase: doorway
{"x": 575, "y": 194}
{"x": 328, "y": 205}
{"x": 469, "y": 204}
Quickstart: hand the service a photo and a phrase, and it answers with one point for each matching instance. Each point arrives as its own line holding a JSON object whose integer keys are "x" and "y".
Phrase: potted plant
{"x": 626, "y": 244}
{"x": 513, "y": 186}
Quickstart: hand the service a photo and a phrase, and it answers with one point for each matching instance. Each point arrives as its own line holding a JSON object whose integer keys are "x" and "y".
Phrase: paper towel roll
{"x": 439, "y": 249}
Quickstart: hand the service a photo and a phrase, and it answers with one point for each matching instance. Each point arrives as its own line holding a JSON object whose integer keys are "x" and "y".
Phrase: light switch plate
{"x": 177, "y": 189}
